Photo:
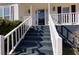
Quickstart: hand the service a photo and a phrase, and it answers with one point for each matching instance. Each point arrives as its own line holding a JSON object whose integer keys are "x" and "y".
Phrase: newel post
{"x": 1, "y": 45}
{"x": 48, "y": 12}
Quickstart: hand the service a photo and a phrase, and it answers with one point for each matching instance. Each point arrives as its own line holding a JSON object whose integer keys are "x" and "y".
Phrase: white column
{"x": 16, "y": 11}
{"x": 31, "y": 13}
{"x": 3, "y": 12}
{"x": 1, "y": 45}
{"x": 48, "y": 11}
{"x": 10, "y": 13}
{"x": 45, "y": 17}
{"x": 78, "y": 18}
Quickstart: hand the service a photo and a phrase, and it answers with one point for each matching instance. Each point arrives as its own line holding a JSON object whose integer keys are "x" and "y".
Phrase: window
{"x": 6, "y": 13}
{"x": 0, "y": 13}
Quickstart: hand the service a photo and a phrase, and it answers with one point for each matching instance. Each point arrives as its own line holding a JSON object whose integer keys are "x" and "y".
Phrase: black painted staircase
{"x": 64, "y": 33}
{"x": 36, "y": 42}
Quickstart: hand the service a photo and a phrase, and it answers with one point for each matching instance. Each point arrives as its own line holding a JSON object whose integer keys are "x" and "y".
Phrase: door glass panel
{"x": 41, "y": 17}
{"x": 6, "y": 13}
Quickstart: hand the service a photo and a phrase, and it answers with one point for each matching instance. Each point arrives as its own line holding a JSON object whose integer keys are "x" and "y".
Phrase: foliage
{"x": 7, "y": 25}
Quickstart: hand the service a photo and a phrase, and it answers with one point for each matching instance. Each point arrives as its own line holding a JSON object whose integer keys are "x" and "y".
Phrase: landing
{"x": 36, "y": 42}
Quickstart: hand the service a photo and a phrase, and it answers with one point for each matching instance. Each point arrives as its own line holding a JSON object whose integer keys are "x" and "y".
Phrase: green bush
{"x": 6, "y": 26}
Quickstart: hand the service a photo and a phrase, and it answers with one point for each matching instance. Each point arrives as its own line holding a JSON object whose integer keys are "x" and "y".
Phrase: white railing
{"x": 66, "y": 18}
{"x": 55, "y": 38}
{"x": 10, "y": 41}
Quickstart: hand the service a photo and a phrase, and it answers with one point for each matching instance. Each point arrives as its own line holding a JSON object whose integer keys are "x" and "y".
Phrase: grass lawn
{"x": 6, "y": 26}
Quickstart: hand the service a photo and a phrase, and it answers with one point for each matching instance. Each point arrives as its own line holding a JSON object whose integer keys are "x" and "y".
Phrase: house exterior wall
{"x": 23, "y": 10}
{"x": 62, "y": 6}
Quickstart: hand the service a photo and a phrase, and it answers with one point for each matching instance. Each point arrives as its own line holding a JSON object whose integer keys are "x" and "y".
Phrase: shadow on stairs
{"x": 36, "y": 42}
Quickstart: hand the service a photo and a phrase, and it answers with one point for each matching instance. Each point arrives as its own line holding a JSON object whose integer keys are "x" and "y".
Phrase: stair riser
{"x": 46, "y": 44}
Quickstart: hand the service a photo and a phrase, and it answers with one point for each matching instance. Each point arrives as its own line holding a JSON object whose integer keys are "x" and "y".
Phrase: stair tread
{"x": 45, "y": 48}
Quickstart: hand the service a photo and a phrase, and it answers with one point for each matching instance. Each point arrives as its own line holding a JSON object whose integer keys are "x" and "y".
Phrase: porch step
{"x": 46, "y": 50}
{"x": 36, "y": 42}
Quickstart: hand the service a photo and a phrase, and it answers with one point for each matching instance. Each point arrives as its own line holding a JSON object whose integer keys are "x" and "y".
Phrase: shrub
{"x": 6, "y": 26}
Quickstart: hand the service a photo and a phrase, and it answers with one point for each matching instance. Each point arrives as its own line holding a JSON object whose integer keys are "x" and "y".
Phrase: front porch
{"x": 61, "y": 14}
{"x": 38, "y": 16}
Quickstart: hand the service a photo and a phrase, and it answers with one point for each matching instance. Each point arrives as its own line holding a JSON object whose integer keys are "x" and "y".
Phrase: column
{"x": 48, "y": 11}
{"x": 31, "y": 13}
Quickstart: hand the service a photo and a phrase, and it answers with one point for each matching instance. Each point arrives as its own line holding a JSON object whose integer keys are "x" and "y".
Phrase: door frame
{"x": 44, "y": 16}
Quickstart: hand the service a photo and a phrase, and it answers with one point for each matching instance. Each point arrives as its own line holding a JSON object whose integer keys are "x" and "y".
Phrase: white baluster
{"x": 62, "y": 18}
{"x": 76, "y": 17}
{"x": 7, "y": 45}
{"x": 16, "y": 35}
{"x": 73, "y": 18}
{"x": 70, "y": 18}
{"x": 66, "y": 18}
{"x": 57, "y": 18}
{"x": 12, "y": 40}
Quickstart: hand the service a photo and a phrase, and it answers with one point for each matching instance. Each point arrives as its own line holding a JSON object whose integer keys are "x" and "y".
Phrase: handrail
{"x": 66, "y": 13}
{"x": 65, "y": 37}
{"x": 13, "y": 38}
{"x": 55, "y": 38}
{"x": 66, "y": 18}
{"x": 17, "y": 27}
